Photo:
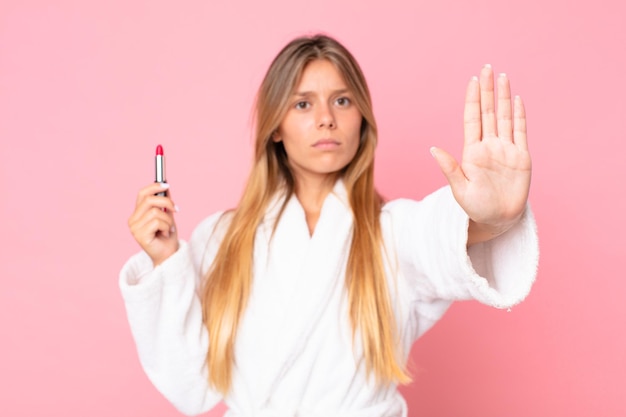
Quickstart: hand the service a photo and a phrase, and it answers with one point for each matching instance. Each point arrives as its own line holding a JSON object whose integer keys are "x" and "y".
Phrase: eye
{"x": 343, "y": 101}
{"x": 302, "y": 105}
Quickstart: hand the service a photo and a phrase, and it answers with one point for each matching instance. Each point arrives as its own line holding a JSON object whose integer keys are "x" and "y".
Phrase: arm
{"x": 436, "y": 267}
{"x": 430, "y": 240}
{"x": 165, "y": 317}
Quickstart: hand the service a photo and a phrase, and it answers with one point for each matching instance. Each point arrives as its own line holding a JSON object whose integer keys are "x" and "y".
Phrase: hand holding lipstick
{"x": 153, "y": 227}
{"x": 152, "y": 223}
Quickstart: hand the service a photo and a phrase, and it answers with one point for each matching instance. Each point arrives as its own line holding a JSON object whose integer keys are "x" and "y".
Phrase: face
{"x": 321, "y": 130}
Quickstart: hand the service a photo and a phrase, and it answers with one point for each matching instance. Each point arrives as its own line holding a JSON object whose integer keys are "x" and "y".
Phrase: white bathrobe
{"x": 294, "y": 351}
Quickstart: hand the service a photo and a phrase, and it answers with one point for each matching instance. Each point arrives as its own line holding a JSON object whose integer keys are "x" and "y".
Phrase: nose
{"x": 325, "y": 117}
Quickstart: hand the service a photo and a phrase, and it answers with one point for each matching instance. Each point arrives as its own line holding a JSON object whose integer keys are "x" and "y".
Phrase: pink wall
{"x": 87, "y": 91}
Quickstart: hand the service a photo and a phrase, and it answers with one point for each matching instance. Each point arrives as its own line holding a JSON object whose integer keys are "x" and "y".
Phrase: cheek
{"x": 355, "y": 128}
{"x": 293, "y": 129}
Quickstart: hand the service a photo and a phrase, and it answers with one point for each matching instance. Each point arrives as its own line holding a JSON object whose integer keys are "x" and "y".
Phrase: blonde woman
{"x": 306, "y": 298}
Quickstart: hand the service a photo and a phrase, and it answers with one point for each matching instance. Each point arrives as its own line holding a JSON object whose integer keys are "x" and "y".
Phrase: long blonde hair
{"x": 229, "y": 280}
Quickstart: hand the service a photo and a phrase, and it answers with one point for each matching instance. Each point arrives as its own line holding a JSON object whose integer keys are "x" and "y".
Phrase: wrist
{"x": 162, "y": 257}
{"x": 481, "y": 232}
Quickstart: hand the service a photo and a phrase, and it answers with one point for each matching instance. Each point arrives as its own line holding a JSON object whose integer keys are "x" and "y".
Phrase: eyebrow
{"x": 311, "y": 93}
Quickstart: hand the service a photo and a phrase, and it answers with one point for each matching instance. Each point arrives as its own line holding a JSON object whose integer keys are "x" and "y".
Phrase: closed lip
{"x": 326, "y": 142}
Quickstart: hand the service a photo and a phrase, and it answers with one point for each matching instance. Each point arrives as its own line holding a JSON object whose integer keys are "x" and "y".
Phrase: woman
{"x": 306, "y": 298}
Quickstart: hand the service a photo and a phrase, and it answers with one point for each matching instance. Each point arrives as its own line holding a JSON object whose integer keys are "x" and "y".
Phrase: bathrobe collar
{"x": 337, "y": 197}
{"x": 296, "y": 276}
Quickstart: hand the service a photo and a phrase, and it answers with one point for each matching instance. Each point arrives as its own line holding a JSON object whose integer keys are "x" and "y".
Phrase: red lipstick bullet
{"x": 160, "y": 167}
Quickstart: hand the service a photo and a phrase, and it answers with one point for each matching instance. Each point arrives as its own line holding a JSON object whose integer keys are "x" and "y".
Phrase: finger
{"x": 164, "y": 204}
{"x": 471, "y": 114}
{"x": 151, "y": 231}
{"x": 148, "y": 197}
{"x": 155, "y": 220}
{"x": 153, "y": 213}
{"x": 519, "y": 123}
{"x": 451, "y": 169}
{"x": 505, "y": 123}
{"x": 151, "y": 189}
{"x": 487, "y": 103}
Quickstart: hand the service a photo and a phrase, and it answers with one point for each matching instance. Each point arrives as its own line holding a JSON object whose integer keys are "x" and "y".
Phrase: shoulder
{"x": 439, "y": 198}
{"x": 400, "y": 213}
{"x": 216, "y": 223}
{"x": 207, "y": 237}
{"x": 399, "y": 206}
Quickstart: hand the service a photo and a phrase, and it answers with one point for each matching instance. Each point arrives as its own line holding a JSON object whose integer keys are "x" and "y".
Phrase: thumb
{"x": 450, "y": 168}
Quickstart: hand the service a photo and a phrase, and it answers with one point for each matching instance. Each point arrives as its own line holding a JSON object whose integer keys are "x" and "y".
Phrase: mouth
{"x": 326, "y": 144}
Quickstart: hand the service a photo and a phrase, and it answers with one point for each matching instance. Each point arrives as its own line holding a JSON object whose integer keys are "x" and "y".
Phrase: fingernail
{"x": 176, "y": 208}
{"x": 172, "y": 229}
{"x": 502, "y": 74}
{"x": 432, "y": 150}
{"x": 487, "y": 65}
{"x": 164, "y": 185}
{"x": 474, "y": 78}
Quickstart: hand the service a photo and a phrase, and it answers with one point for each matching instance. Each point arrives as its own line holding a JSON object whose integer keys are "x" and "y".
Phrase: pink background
{"x": 88, "y": 89}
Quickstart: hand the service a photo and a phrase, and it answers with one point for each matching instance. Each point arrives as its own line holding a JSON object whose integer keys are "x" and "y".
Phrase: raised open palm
{"x": 493, "y": 179}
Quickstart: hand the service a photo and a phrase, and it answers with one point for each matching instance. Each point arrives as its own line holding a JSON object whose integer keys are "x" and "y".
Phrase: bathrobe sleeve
{"x": 430, "y": 240}
{"x": 165, "y": 318}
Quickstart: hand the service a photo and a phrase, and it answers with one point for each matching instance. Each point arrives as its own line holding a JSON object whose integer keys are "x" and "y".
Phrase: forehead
{"x": 320, "y": 74}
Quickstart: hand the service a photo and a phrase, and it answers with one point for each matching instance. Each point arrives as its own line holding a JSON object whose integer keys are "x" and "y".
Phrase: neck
{"x": 311, "y": 193}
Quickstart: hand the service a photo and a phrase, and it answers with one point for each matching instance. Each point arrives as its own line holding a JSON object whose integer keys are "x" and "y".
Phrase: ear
{"x": 276, "y": 137}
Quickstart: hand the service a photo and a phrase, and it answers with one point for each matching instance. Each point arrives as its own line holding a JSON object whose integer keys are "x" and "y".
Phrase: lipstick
{"x": 160, "y": 167}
